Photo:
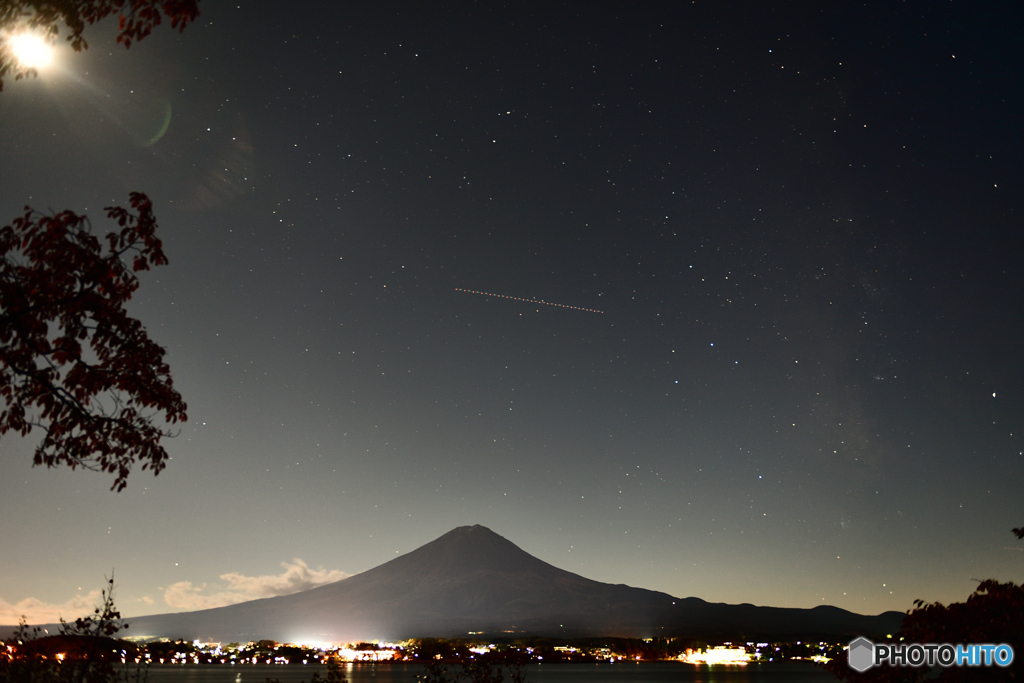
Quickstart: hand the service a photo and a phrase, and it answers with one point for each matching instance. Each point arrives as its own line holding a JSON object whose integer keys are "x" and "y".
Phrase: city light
{"x": 717, "y": 655}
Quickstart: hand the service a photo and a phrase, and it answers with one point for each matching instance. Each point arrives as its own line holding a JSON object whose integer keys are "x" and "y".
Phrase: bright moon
{"x": 31, "y": 50}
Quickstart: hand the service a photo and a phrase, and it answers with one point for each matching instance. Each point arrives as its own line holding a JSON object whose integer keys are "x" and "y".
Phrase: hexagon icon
{"x": 861, "y": 654}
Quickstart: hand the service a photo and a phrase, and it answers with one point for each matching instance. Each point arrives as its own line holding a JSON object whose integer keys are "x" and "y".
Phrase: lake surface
{"x": 645, "y": 672}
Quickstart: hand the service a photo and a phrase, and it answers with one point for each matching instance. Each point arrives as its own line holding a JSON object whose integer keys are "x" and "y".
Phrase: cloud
{"x": 184, "y": 596}
{"x": 297, "y": 576}
{"x": 39, "y": 612}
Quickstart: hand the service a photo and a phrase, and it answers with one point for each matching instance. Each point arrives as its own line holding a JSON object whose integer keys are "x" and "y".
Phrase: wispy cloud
{"x": 184, "y": 596}
{"x": 39, "y": 612}
{"x": 297, "y": 576}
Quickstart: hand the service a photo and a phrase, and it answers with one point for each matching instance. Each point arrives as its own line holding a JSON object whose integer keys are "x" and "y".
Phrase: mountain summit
{"x": 471, "y": 580}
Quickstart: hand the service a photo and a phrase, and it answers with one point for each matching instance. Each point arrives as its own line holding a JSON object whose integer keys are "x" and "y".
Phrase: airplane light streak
{"x": 530, "y": 301}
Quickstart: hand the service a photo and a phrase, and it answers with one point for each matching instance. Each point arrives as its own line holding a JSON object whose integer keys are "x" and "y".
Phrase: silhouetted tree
{"x": 88, "y": 653}
{"x": 104, "y": 621}
{"x": 72, "y": 362}
{"x": 136, "y": 20}
{"x": 994, "y": 613}
{"x": 19, "y": 662}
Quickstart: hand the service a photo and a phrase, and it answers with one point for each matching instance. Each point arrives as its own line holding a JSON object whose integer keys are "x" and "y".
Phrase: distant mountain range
{"x": 471, "y": 580}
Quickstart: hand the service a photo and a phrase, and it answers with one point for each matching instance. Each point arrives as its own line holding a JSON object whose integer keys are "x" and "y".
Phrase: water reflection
{"x": 644, "y": 672}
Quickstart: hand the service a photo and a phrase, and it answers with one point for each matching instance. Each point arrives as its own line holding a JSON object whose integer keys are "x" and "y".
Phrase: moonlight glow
{"x": 31, "y": 50}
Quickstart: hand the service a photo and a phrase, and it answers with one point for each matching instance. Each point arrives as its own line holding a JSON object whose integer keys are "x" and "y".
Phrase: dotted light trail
{"x": 529, "y": 301}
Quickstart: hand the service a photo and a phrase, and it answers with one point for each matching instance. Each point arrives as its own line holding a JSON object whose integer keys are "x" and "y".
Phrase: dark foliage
{"x": 104, "y": 622}
{"x": 994, "y": 613}
{"x": 136, "y": 20}
{"x": 72, "y": 362}
{"x": 84, "y": 652}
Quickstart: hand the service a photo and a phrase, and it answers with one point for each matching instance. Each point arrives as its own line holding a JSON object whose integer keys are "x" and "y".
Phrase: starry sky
{"x": 800, "y": 222}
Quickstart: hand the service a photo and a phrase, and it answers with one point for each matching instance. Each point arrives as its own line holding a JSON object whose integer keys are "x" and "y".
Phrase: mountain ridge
{"x": 472, "y": 580}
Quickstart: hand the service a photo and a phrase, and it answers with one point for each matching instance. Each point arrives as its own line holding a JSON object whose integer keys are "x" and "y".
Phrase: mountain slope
{"x": 473, "y": 580}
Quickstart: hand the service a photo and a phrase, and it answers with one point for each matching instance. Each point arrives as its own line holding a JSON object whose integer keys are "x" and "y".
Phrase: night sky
{"x": 801, "y": 222}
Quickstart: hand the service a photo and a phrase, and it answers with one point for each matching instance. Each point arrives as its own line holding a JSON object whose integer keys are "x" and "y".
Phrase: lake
{"x": 643, "y": 672}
